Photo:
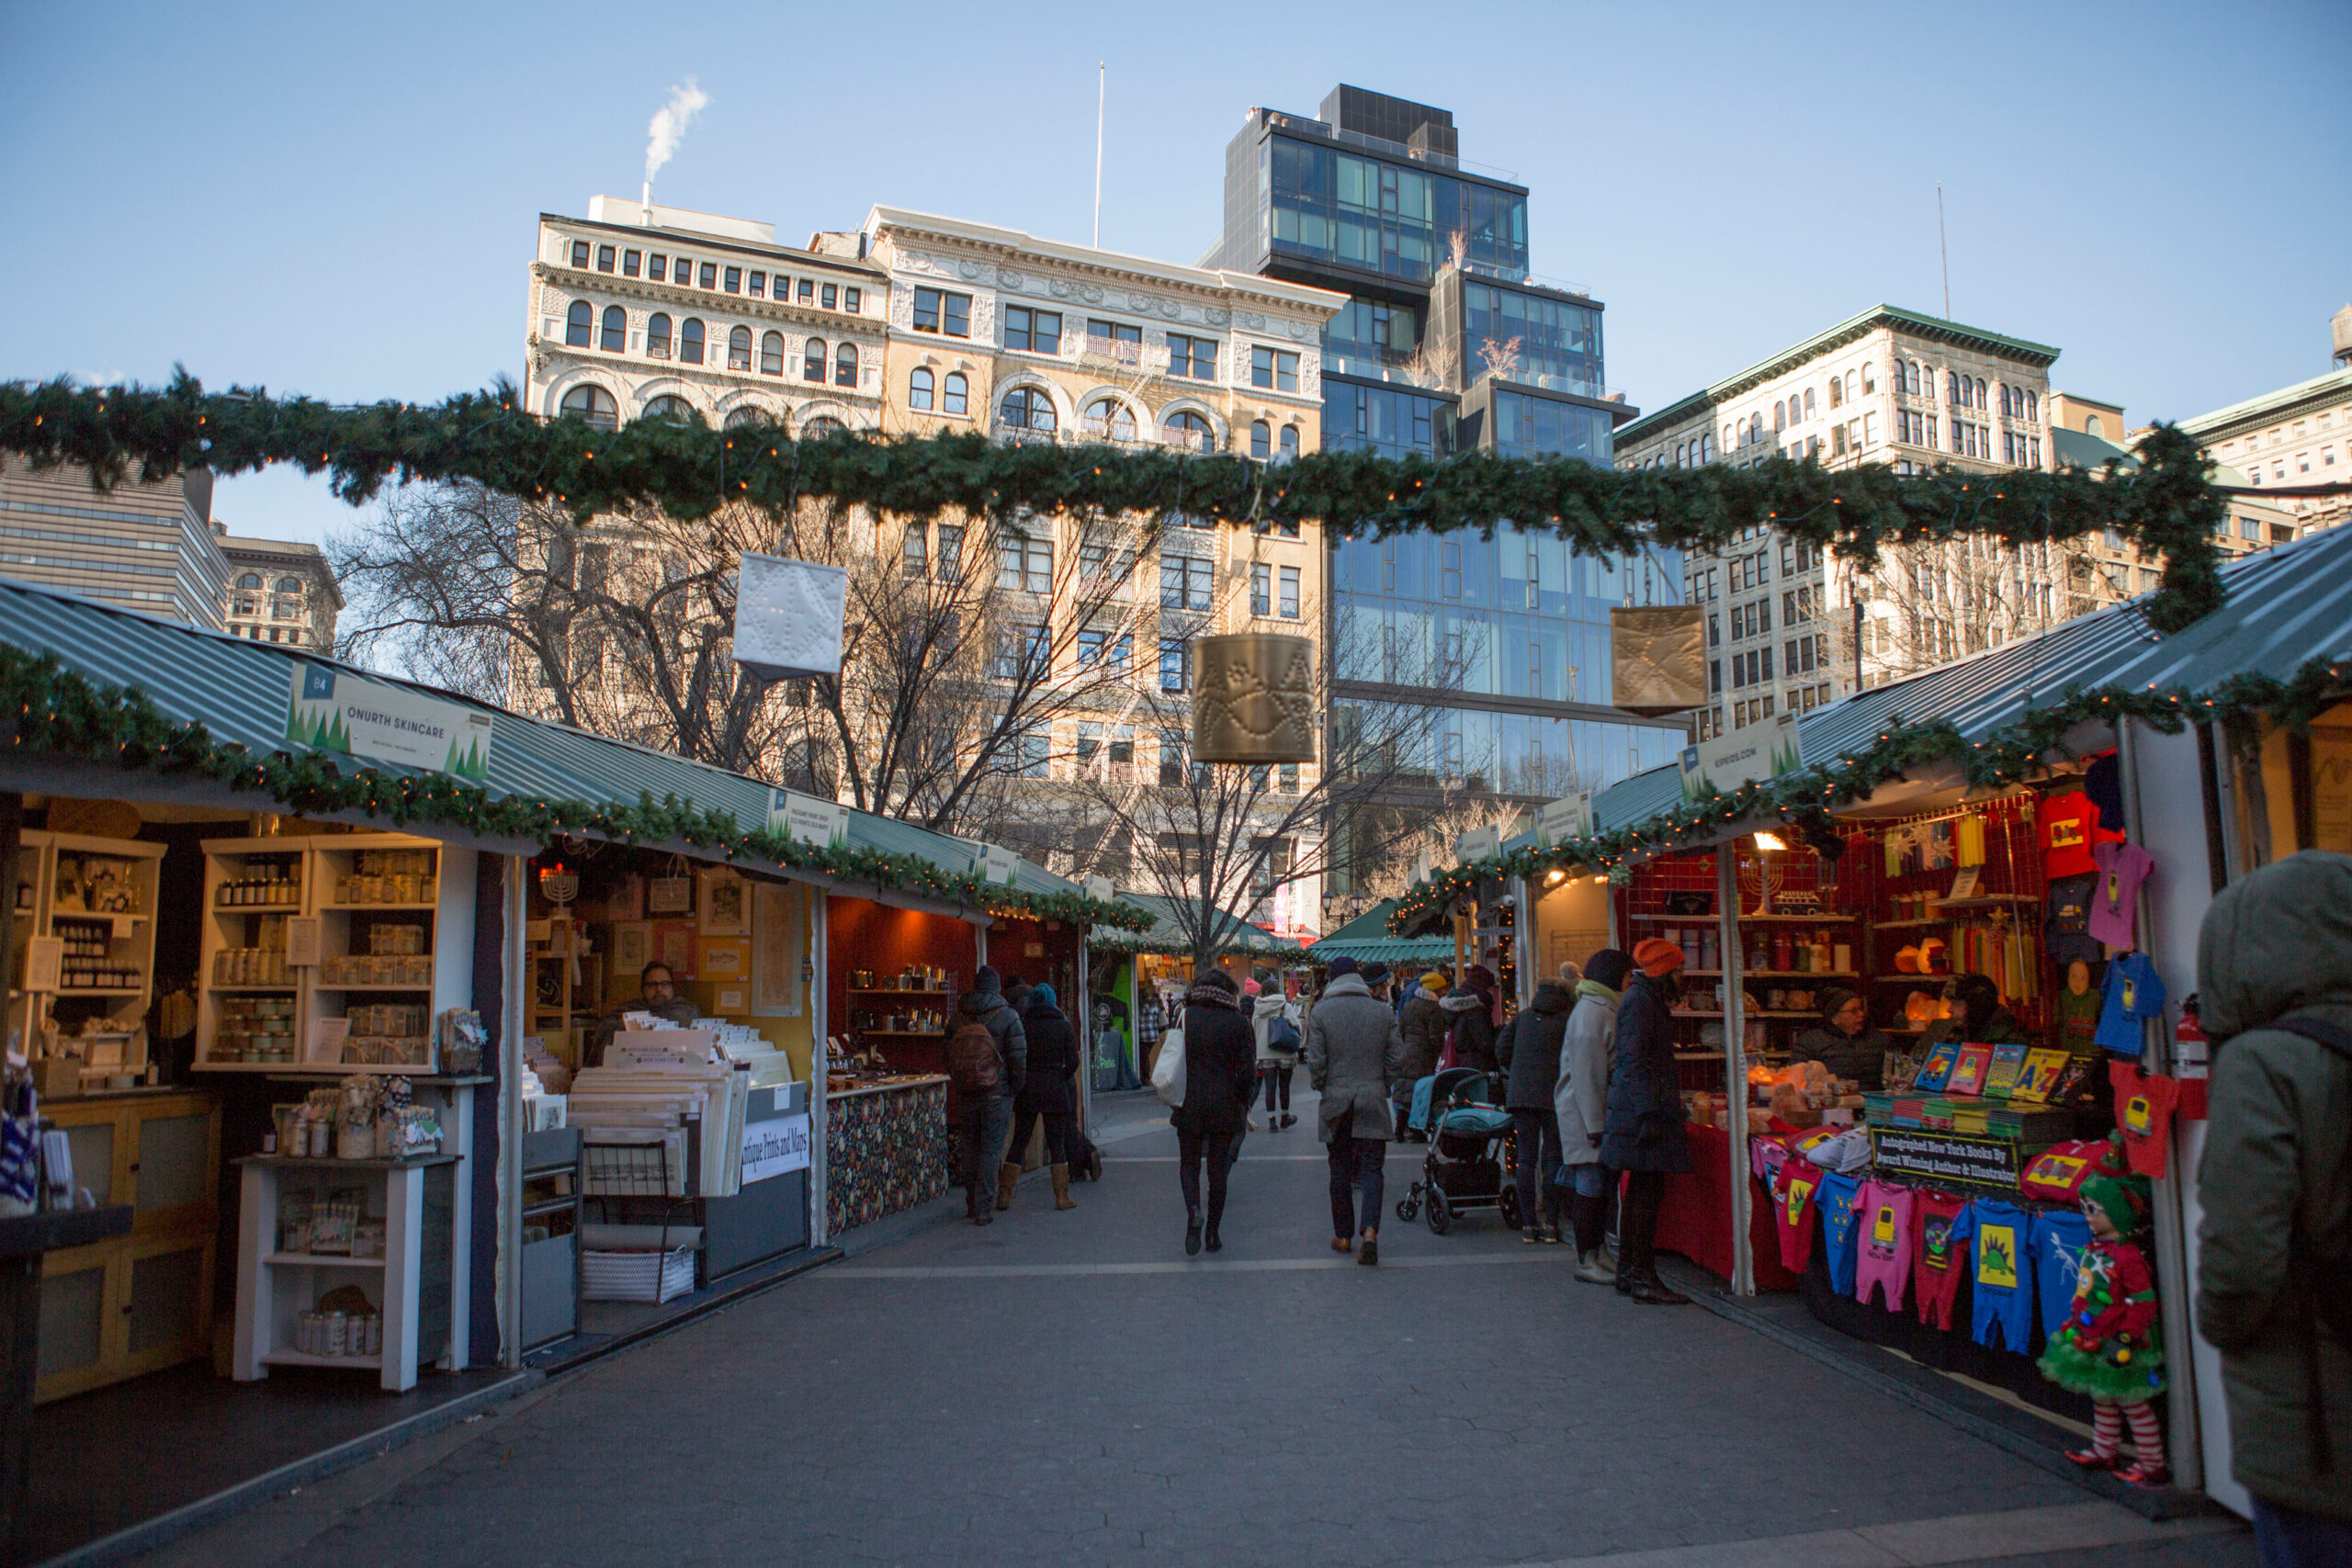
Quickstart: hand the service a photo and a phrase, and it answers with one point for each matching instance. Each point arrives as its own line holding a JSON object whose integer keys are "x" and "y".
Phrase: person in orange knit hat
{"x": 1645, "y": 1133}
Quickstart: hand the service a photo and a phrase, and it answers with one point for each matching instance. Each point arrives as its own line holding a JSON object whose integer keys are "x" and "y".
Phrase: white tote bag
{"x": 1168, "y": 1070}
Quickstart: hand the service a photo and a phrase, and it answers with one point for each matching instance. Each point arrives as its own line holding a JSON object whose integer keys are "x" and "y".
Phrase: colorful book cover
{"x": 2044, "y": 1065}
{"x": 1968, "y": 1072}
{"x": 2001, "y": 1081}
{"x": 1940, "y": 1060}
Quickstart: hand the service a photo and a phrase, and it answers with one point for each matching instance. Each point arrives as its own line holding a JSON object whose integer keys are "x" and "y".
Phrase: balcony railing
{"x": 1119, "y": 351}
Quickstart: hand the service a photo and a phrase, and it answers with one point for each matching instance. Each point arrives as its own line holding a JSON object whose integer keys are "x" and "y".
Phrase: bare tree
{"x": 1928, "y": 603}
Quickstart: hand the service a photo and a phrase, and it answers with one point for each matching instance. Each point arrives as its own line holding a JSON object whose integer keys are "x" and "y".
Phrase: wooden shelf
{"x": 289, "y": 985}
{"x": 366, "y": 909}
{"x": 354, "y": 986}
{"x": 296, "y": 1359}
{"x": 1910, "y": 924}
{"x": 99, "y": 991}
{"x": 321, "y": 1260}
{"x": 1799, "y": 919}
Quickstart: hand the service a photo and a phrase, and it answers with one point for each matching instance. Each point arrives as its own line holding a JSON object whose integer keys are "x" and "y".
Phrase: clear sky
{"x": 340, "y": 199}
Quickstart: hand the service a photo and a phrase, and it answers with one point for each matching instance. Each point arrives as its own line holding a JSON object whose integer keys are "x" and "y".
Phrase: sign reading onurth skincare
{"x": 333, "y": 710}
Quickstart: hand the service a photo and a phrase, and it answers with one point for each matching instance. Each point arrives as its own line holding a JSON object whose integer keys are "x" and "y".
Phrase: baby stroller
{"x": 1469, "y": 1132}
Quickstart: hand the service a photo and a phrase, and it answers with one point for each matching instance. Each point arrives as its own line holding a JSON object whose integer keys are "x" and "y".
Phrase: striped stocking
{"x": 2106, "y": 1427}
{"x": 2147, "y": 1433}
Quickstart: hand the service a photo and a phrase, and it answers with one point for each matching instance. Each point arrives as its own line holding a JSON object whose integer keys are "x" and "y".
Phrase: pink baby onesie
{"x": 1884, "y": 1257}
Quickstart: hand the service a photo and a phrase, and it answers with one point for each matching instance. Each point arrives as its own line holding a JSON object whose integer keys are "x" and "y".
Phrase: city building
{"x": 1448, "y": 342}
{"x": 279, "y": 591}
{"x": 1791, "y": 628}
{"x": 147, "y": 546}
{"x": 2294, "y": 446}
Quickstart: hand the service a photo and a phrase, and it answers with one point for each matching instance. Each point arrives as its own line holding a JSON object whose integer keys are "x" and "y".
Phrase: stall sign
{"x": 1422, "y": 866}
{"x": 1947, "y": 1158}
{"x": 1754, "y": 755}
{"x": 823, "y": 823}
{"x": 1100, "y": 889}
{"x": 991, "y": 864}
{"x": 1478, "y": 843}
{"x": 333, "y": 710}
{"x": 1568, "y": 818}
{"x": 775, "y": 1147}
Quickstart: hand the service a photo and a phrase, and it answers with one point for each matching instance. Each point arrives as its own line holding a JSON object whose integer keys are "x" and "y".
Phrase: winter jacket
{"x": 1862, "y": 1057}
{"x": 1220, "y": 1063}
{"x": 1355, "y": 1058}
{"x": 2274, "y": 1158}
{"x": 1645, "y": 1112}
{"x": 1012, "y": 1042}
{"x": 1272, "y": 1006}
{"x": 1587, "y": 1046}
{"x": 1052, "y": 1057}
{"x": 1529, "y": 1048}
{"x": 1472, "y": 1028}
{"x": 1422, "y": 1023}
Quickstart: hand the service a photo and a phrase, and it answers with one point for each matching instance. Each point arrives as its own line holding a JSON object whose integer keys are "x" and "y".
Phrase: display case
{"x": 85, "y": 908}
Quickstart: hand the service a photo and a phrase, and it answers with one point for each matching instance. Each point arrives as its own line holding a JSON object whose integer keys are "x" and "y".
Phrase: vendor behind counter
{"x": 1844, "y": 1041}
{"x": 658, "y": 991}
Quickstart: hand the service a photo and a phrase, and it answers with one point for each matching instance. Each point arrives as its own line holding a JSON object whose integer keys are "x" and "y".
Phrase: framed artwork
{"x": 778, "y": 944}
{"x": 722, "y": 958}
{"x": 669, "y": 895}
{"x": 673, "y": 945}
{"x": 627, "y": 900}
{"x": 632, "y": 947}
{"x": 726, "y": 903}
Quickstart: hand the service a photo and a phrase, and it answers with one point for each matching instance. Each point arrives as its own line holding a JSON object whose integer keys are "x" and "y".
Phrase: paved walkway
{"x": 1067, "y": 1388}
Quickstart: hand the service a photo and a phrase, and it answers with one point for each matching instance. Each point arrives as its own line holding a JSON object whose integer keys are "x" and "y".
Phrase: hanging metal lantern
{"x": 1254, "y": 699}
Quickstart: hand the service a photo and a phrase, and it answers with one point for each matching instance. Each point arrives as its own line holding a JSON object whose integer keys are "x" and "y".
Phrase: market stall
{"x": 1137, "y": 978}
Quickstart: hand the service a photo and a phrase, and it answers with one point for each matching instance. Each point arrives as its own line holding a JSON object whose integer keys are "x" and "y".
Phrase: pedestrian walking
{"x": 1422, "y": 1023}
{"x": 2274, "y": 1276}
{"x": 1644, "y": 1136}
{"x": 1587, "y": 1049}
{"x": 1355, "y": 1052}
{"x": 987, "y": 1054}
{"x": 1275, "y": 1019}
{"x": 1220, "y": 1068}
{"x": 1528, "y": 1050}
{"x": 1151, "y": 1023}
{"x": 1473, "y": 1010}
{"x": 1048, "y": 1094}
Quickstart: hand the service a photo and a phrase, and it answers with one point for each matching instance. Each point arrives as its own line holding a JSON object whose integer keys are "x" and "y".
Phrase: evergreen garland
{"x": 689, "y": 470}
{"x": 1806, "y": 796}
{"x": 49, "y": 709}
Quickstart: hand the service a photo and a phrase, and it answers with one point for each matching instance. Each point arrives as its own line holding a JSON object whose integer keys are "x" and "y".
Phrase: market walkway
{"x": 1069, "y": 1389}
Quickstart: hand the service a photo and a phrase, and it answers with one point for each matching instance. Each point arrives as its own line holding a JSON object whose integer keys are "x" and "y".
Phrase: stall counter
{"x": 885, "y": 1148}
{"x": 1695, "y": 1217}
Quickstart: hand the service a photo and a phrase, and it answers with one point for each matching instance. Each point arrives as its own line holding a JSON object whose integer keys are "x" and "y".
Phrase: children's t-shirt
{"x": 2000, "y": 1239}
{"x": 1793, "y": 1196}
{"x": 2069, "y": 828}
{"x": 2143, "y": 1105}
{"x": 1883, "y": 1257}
{"x": 1942, "y": 1257}
{"x": 2115, "y": 893}
{"x": 2059, "y": 1237}
{"x": 2133, "y": 993}
{"x": 2066, "y": 928}
{"x": 1839, "y": 1210}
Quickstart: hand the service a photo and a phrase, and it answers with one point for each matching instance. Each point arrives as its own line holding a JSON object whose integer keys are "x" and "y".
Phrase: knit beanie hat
{"x": 2122, "y": 1199}
{"x": 1434, "y": 982}
{"x": 1655, "y": 957}
{"x": 1609, "y": 967}
{"x": 1373, "y": 972}
{"x": 1218, "y": 979}
{"x": 1342, "y": 965}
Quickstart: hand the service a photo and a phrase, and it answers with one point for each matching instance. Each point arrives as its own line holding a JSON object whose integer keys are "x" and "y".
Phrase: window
{"x": 849, "y": 298}
{"x": 1183, "y": 582}
{"x": 1171, "y": 757}
{"x": 954, "y": 397}
{"x": 657, "y": 268}
{"x": 915, "y": 558}
{"x": 918, "y": 389}
{"x": 251, "y": 579}
{"x": 657, "y": 335}
{"x": 1261, "y": 443}
{"x": 1115, "y": 339}
{"x": 629, "y": 262}
{"x": 1290, "y": 593}
{"x": 830, "y": 295}
{"x": 613, "y": 336}
{"x": 772, "y": 355}
{"x": 1870, "y": 378}
{"x": 845, "y": 366}
{"x": 812, "y": 361}
{"x": 1187, "y": 429}
{"x": 1027, "y": 408}
{"x": 1261, "y": 589}
{"x": 1194, "y": 358}
{"x": 1171, "y": 663}
{"x": 579, "y": 323}
{"x": 1110, "y": 417}
{"x": 669, "y": 409}
{"x": 1033, "y": 332}
{"x": 739, "y": 349}
{"x": 1274, "y": 368}
{"x": 1835, "y": 395}
{"x": 939, "y": 311}
{"x": 759, "y": 284}
{"x": 579, "y": 254}
{"x": 1025, "y": 562}
{"x": 1450, "y": 574}
{"x": 710, "y": 275}
{"x": 592, "y": 404}
{"x": 690, "y": 341}
{"x": 1286, "y": 779}
{"x": 951, "y": 551}
{"x": 808, "y": 291}
{"x": 1020, "y": 651}
{"x": 1290, "y": 453}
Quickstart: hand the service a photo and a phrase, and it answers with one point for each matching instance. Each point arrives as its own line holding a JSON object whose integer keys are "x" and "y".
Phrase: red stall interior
{"x": 881, "y": 990}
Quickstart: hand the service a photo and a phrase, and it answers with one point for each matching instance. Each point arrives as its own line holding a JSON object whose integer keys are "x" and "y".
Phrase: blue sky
{"x": 340, "y": 200}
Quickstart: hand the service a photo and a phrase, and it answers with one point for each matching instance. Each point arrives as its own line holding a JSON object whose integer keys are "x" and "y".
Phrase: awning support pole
{"x": 1743, "y": 1256}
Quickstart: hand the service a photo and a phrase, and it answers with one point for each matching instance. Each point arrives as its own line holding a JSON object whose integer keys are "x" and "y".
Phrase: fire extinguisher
{"x": 2191, "y": 1061}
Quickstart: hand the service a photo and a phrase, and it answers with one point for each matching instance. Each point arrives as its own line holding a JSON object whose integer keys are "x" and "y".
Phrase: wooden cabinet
{"x": 135, "y": 1303}
{"x": 84, "y": 946}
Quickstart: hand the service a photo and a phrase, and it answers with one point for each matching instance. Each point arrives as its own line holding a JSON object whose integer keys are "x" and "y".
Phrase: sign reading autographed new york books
{"x": 333, "y": 710}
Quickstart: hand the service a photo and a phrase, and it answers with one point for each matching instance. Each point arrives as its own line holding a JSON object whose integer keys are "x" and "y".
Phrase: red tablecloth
{"x": 1695, "y": 1218}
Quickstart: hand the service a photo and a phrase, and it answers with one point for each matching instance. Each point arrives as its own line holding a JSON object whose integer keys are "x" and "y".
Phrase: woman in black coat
{"x": 1529, "y": 1048}
{"x": 1220, "y": 1080}
{"x": 1049, "y": 1093}
{"x": 1645, "y": 1133}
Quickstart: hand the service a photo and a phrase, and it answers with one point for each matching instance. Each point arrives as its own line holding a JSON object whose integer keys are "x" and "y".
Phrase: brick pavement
{"x": 1304, "y": 1414}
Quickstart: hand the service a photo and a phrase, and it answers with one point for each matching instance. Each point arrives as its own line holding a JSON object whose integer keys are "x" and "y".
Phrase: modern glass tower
{"x": 1449, "y": 342}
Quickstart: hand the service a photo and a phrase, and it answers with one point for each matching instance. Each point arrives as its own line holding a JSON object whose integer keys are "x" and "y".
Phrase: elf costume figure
{"x": 2111, "y": 1344}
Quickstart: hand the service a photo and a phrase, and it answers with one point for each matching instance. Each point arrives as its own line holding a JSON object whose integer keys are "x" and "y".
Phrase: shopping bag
{"x": 1168, "y": 1070}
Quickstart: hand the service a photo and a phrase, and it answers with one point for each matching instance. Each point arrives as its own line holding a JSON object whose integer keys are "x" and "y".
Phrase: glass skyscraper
{"x": 1449, "y": 343}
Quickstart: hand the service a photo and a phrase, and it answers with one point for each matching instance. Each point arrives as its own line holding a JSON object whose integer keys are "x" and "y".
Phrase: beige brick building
{"x": 279, "y": 591}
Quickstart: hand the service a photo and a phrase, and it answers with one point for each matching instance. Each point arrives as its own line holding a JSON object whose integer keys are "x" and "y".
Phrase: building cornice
{"x": 2303, "y": 397}
{"x": 850, "y": 265}
{"x": 696, "y": 301}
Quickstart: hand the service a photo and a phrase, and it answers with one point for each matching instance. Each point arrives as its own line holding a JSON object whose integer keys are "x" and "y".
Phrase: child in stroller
{"x": 1460, "y": 1112}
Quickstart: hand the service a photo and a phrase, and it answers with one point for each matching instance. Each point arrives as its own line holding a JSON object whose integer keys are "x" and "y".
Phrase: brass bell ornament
{"x": 1254, "y": 700}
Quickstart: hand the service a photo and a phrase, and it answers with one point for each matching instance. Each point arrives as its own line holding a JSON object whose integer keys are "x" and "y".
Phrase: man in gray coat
{"x": 2274, "y": 958}
{"x": 1354, "y": 1054}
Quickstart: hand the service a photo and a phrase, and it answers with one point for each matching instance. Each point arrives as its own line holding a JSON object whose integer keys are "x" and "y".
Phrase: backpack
{"x": 973, "y": 1060}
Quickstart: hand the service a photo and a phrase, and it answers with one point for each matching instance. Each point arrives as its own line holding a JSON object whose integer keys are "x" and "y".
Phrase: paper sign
{"x": 44, "y": 963}
{"x": 1963, "y": 884}
{"x": 327, "y": 1035}
{"x": 1100, "y": 888}
{"x": 775, "y": 1147}
{"x": 991, "y": 864}
{"x": 1562, "y": 819}
{"x": 1478, "y": 843}
{"x": 823, "y": 823}
{"x": 1754, "y": 755}
{"x": 333, "y": 710}
{"x": 302, "y": 941}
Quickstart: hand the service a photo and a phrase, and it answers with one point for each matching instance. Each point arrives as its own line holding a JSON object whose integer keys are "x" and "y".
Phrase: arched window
{"x": 1779, "y": 414}
{"x": 918, "y": 389}
{"x": 1027, "y": 408}
{"x": 812, "y": 360}
{"x": 579, "y": 323}
{"x": 592, "y": 404}
{"x": 1727, "y": 437}
{"x": 1835, "y": 395}
{"x": 1928, "y": 382}
{"x": 1707, "y": 444}
{"x": 1109, "y": 416}
{"x": 772, "y": 355}
{"x": 1850, "y": 385}
{"x": 251, "y": 579}
{"x": 1678, "y": 456}
{"x": 669, "y": 409}
{"x": 1755, "y": 427}
{"x": 739, "y": 349}
{"x": 2033, "y": 406}
{"x": 289, "y": 585}
{"x": 1261, "y": 440}
{"x": 1193, "y": 431}
{"x": 824, "y": 424}
{"x": 1980, "y": 392}
{"x": 690, "y": 341}
{"x": 657, "y": 335}
{"x": 2094, "y": 426}
{"x": 845, "y": 366}
{"x": 1290, "y": 444}
{"x": 1869, "y": 376}
{"x": 613, "y": 339}
{"x": 1952, "y": 393}
{"x": 956, "y": 396}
